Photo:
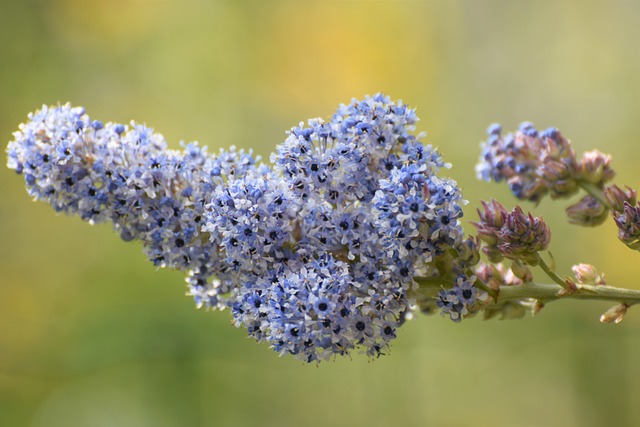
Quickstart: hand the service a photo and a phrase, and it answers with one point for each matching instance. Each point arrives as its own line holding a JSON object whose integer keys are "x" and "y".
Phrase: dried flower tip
{"x": 595, "y": 167}
{"x": 588, "y": 212}
{"x": 614, "y": 314}
{"x": 522, "y": 236}
{"x": 617, "y": 197}
{"x": 586, "y": 274}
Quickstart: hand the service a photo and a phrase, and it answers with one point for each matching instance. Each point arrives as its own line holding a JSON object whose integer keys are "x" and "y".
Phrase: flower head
{"x": 314, "y": 255}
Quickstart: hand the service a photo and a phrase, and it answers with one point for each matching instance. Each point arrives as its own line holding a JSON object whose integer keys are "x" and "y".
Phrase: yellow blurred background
{"x": 92, "y": 335}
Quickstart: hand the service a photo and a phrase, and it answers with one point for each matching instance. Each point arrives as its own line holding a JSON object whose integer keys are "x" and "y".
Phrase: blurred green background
{"x": 92, "y": 335}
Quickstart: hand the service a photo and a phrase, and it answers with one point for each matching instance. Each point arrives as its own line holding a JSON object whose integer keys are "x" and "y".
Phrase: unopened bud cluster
{"x": 513, "y": 235}
{"x": 537, "y": 163}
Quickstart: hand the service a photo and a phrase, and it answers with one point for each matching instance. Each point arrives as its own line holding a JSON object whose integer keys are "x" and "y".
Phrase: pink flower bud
{"x": 586, "y": 274}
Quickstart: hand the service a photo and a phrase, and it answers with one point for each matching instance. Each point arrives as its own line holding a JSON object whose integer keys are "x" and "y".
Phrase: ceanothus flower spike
{"x": 329, "y": 250}
{"x": 315, "y": 255}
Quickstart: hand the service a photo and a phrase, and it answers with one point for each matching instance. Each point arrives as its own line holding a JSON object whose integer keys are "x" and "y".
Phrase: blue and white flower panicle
{"x": 315, "y": 255}
{"x": 370, "y": 197}
{"x": 126, "y": 175}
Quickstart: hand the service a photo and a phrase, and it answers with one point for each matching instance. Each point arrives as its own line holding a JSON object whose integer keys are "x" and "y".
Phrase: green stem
{"x": 595, "y": 192}
{"x": 552, "y": 275}
{"x": 545, "y": 292}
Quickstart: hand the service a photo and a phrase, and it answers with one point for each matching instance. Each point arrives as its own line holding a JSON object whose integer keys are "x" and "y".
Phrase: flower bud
{"x": 508, "y": 311}
{"x": 521, "y": 271}
{"x": 493, "y": 253}
{"x": 553, "y": 170}
{"x": 614, "y": 314}
{"x": 492, "y": 217}
{"x": 496, "y": 275}
{"x": 468, "y": 254}
{"x": 494, "y": 129}
{"x": 586, "y": 274}
{"x": 555, "y": 145}
{"x": 616, "y": 197}
{"x": 490, "y": 313}
{"x": 628, "y": 223}
{"x": 557, "y": 164}
{"x": 570, "y": 288}
{"x": 558, "y": 175}
{"x": 595, "y": 167}
{"x": 528, "y": 188}
{"x": 484, "y": 271}
{"x": 588, "y": 212}
{"x": 523, "y": 236}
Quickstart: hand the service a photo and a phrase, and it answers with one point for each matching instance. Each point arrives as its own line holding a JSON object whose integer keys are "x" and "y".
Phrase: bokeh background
{"x": 92, "y": 335}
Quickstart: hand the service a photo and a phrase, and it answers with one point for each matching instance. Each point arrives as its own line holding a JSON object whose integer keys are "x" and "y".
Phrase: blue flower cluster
{"x": 314, "y": 255}
{"x": 457, "y": 301}
{"x": 126, "y": 175}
